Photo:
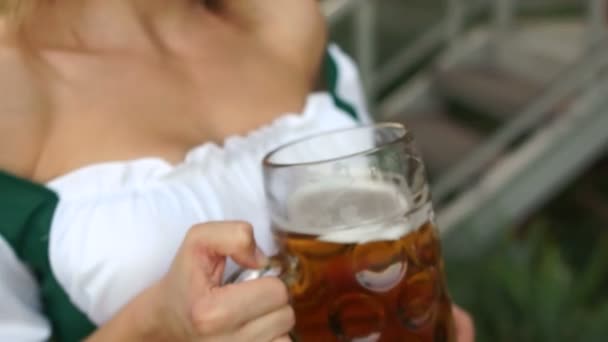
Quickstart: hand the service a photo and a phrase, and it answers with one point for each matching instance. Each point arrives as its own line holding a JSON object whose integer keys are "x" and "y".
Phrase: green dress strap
{"x": 26, "y": 214}
{"x": 332, "y": 75}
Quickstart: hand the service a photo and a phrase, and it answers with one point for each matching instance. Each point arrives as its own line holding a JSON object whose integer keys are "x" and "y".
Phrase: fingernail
{"x": 261, "y": 259}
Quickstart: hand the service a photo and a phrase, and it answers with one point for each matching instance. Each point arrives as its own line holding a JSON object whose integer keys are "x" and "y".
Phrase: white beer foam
{"x": 330, "y": 211}
{"x": 390, "y": 231}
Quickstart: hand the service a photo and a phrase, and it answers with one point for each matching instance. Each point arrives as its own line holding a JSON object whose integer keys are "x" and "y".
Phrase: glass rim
{"x": 365, "y": 152}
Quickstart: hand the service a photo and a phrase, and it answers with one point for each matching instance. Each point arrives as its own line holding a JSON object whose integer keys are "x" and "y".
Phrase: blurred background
{"x": 508, "y": 101}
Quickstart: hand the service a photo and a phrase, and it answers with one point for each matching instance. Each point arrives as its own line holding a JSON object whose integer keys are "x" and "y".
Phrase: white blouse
{"x": 118, "y": 225}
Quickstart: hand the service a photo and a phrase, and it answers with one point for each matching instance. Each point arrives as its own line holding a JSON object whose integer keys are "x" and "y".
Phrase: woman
{"x": 124, "y": 124}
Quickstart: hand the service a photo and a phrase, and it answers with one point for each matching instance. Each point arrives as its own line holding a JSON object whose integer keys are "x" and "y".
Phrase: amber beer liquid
{"x": 379, "y": 280}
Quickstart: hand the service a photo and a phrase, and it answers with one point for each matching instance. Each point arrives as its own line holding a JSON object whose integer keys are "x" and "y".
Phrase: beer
{"x": 364, "y": 265}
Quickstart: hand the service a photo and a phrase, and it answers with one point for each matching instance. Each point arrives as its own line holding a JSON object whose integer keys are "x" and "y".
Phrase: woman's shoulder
{"x": 22, "y": 111}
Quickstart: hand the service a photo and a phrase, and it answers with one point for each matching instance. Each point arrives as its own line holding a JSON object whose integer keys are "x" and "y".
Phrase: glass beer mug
{"x": 357, "y": 246}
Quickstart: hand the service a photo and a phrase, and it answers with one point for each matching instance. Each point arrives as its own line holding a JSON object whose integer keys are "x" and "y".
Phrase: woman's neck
{"x": 110, "y": 25}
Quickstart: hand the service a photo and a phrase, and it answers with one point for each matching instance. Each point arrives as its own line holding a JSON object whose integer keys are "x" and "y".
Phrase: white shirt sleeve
{"x": 21, "y": 317}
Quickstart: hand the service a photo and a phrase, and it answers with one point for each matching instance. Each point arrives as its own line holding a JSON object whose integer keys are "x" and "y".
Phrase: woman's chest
{"x": 124, "y": 110}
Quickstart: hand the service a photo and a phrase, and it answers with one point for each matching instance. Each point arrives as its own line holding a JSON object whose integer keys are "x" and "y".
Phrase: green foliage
{"x": 525, "y": 290}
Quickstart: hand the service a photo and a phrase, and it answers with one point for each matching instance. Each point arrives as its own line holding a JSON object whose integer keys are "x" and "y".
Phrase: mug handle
{"x": 274, "y": 268}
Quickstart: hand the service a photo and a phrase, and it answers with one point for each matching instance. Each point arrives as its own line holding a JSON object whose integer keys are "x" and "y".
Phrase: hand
{"x": 465, "y": 331}
{"x": 190, "y": 304}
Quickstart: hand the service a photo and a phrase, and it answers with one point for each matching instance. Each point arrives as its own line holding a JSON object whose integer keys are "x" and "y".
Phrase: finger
{"x": 269, "y": 327}
{"x": 233, "y": 239}
{"x": 284, "y": 338}
{"x": 465, "y": 329}
{"x": 233, "y": 306}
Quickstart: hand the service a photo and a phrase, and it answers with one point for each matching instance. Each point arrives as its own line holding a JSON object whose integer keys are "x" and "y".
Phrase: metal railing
{"x": 575, "y": 78}
{"x": 530, "y": 175}
{"x": 448, "y": 31}
{"x": 365, "y": 25}
{"x": 478, "y": 191}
